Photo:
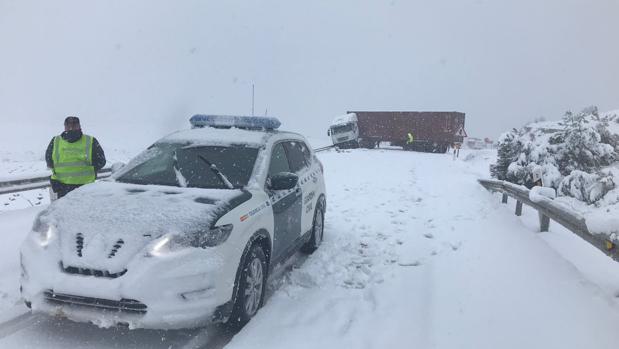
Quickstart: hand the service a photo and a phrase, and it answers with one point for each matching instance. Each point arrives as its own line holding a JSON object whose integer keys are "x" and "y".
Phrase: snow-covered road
{"x": 416, "y": 254}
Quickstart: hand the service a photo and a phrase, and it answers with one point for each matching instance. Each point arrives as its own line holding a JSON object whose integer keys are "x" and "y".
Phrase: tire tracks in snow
{"x": 17, "y": 324}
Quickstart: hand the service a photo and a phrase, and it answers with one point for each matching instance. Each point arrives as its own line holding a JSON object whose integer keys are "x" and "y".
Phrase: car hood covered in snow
{"x": 102, "y": 226}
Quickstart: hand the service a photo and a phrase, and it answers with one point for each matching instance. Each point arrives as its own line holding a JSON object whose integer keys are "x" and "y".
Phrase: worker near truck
{"x": 409, "y": 138}
{"x": 456, "y": 147}
{"x": 73, "y": 157}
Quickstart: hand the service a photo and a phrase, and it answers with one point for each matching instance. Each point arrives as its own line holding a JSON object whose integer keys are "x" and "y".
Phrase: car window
{"x": 279, "y": 160}
{"x": 182, "y": 166}
{"x": 306, "y": 152}
{"x": 296, "y": 158}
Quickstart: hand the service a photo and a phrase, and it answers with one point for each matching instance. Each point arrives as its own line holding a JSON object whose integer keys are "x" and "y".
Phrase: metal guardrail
{"x": 17, "y": 185}
{"x": 324, "y": 148}
{"x": 549, "y": 209}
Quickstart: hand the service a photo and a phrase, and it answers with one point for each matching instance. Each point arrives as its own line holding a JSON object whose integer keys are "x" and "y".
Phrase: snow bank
{"x": 605, "y": 222}
{"x": 539, "y": 194}
{"x": 586, "y": 187}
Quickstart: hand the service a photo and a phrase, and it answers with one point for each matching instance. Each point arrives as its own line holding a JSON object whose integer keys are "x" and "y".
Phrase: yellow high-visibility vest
{"x": 410, "y": 138}
{"x": 73, "y": 161}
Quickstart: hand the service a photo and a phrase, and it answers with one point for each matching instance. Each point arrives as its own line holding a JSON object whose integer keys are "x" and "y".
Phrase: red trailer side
{"x": 432, "y": 131}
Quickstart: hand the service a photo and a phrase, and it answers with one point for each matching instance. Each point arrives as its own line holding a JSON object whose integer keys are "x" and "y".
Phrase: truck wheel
{"x": 251, "y": 287}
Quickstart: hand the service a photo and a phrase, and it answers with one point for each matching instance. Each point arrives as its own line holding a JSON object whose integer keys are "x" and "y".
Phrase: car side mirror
{"x": 283, "y": 181}
{"x": 328, "y": 132}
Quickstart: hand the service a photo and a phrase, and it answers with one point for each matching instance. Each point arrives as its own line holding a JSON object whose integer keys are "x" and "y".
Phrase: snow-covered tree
{"x": 582, "y": 147}
{"x": 571, "y": 155}
{"x": 507, "y": 150}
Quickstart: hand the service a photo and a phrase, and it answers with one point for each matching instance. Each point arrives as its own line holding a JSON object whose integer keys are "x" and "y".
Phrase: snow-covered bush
{"x": 570, "y": 154}
{"x": 534, "y": 152}
{"x": 586, "y": 187}
{"x": 507, "y": 153}
{"x": 583, "y": 148}
{"x": 606, "y": 123}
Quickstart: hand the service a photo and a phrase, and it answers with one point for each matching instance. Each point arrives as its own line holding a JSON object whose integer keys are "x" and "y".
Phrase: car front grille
{"x": 119, "y": 243}
{"x": 92, "y": 272}
{"x": 124, "y": 305}
{"x": 79, "y": 246}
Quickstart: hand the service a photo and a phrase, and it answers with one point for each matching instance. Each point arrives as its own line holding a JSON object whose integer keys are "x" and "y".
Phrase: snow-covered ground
{"x": 416, "y": 254}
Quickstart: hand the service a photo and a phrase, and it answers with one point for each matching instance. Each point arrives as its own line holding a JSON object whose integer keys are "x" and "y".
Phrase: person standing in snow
{"x": 456, "y": 147}
{"x": 409, "y": 138}
{"x": 73, "y": 157}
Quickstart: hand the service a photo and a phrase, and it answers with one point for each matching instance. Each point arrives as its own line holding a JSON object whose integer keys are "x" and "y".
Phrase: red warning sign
{"x": 461, "y": 133}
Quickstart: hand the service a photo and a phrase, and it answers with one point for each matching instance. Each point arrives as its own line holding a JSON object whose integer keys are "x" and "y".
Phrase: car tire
{"x": 251, "y": 287}
{"x": 318, "y": 229}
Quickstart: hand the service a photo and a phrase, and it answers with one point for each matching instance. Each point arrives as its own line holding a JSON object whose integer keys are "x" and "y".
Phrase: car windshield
{"x": 181, "y": 166}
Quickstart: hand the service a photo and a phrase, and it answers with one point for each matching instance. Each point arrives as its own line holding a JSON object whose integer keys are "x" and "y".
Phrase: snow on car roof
{"x": 344, "y": 119}
{"x": 226, "y": 136}
{"x": 219, "y": 136}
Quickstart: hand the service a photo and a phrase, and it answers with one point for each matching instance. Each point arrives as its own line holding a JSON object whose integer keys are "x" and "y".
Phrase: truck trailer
{"x": 411, "y": 130}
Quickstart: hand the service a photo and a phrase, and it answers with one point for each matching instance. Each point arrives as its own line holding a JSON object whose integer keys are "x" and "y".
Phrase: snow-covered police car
{"x": 185, "y": 234}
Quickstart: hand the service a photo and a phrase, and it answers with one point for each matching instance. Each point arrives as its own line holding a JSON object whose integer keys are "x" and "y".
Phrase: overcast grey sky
{"x": 135, "y": 70}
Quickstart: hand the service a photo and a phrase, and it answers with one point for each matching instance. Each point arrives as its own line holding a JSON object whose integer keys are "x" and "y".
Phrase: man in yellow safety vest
{"x": 409, "y": 138}
{"x": 73, "y": 157}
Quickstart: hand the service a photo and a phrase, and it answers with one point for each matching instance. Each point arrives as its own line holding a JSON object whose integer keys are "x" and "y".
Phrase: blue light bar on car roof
{"x": 225, "y": 121}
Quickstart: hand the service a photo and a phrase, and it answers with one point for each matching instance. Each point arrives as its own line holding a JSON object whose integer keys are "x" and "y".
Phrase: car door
{"x": 286, "y": 206}
{"x": 299, "y": 157}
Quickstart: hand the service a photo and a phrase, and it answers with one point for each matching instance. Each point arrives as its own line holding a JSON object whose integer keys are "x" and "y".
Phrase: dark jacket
{"x": 98, "y": 156}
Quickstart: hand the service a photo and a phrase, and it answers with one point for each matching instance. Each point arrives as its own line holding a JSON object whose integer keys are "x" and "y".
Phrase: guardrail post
{"x": 544, "y": 223}
{"x": 518, "y": 208}
{"x": 504, "y": 200}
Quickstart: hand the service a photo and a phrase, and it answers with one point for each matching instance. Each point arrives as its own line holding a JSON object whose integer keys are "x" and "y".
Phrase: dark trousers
{"x": 62, "y": 189}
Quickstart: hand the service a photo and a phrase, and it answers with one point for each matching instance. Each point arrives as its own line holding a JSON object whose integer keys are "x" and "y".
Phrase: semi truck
{"x": 411, "y": 130}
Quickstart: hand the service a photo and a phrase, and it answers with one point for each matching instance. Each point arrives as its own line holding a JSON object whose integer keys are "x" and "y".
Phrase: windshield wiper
{"x": 219, "y": 174}
{"x": 180, "y": 179}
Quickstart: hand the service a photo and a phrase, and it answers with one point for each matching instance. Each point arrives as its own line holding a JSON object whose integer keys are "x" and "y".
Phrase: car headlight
{"x": 43, "y": 232}
{"x": 202, "y": 239}
{"x": 212, "y": 237}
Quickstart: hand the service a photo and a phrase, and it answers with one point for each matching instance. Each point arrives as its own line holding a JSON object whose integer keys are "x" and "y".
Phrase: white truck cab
{"x": 344, "y": 131}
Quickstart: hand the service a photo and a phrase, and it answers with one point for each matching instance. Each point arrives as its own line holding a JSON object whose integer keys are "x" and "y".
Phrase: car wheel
{"x": 251, "y": 287}
{"x": 318, "y": 229}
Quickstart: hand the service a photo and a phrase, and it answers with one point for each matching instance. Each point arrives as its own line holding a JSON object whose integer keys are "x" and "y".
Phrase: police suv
{"x": 184, "y": 234}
